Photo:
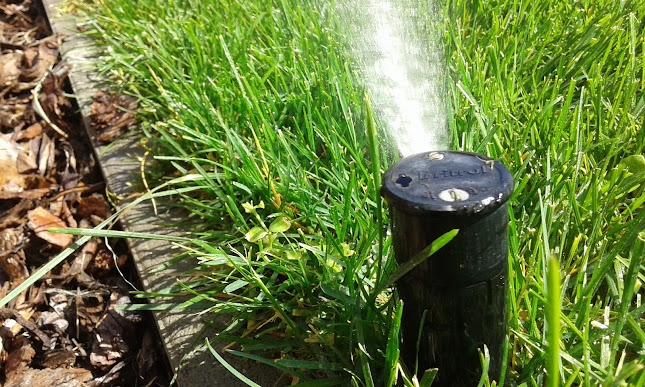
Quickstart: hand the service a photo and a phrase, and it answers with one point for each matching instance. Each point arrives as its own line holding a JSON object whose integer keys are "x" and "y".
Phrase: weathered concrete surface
{"x": 183, "y": 332}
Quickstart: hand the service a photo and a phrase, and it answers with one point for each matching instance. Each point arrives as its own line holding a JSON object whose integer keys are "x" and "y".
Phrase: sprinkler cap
{"x": 447, "y": 183}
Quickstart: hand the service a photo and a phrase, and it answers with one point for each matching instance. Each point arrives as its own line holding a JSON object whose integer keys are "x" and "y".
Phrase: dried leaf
{"x": 37, "y": 60}
{"x": 112, "y": 116}
{"x": 10, "y": 179}
{"x": 9, "y": 69}
{"x": 93, "y": 205}
{"x": 7, "y": 313}
{"x": 12, "y": 114}
{"x": 110, "y": 345}
{"x": 31, "y": 194}
{"x": 31, "y": 132}
{"x": 91, "y": 310}
{"x": 59, "y": 358}
{"x": 39, "y": 220}
{"x": 15, "y": 215}
{"x": 18, "y": 361}
{"x": 25, "y": 164}
{"x": 35, "y": 182}
{"x": 12, "y": 258}
{"x": 112, "y": 376}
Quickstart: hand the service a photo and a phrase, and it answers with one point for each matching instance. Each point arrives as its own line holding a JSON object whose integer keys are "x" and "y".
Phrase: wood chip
{"x": 59, "y": 377}
{"x": 25, "y": 164}
{"x": 31, "y": 194}
{"x": 31, "y": 132}
{"x": 39, "y": 220}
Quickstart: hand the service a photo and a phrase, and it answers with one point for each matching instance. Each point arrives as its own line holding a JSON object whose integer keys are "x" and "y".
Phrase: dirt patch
{"x": 67, "y": 329}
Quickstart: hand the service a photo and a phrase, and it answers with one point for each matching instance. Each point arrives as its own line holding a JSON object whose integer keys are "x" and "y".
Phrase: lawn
{"x": 256, "y": 107}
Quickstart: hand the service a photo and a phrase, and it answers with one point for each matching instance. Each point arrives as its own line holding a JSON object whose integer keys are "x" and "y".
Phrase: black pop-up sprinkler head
{"x": 462, "y": 286}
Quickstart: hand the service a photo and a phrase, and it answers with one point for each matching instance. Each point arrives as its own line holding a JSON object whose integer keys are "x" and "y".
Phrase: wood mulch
{"x": 66, "y": 329}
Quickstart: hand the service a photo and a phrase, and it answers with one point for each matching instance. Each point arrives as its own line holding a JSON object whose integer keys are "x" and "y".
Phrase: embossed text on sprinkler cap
{"x": 446, "y": 182}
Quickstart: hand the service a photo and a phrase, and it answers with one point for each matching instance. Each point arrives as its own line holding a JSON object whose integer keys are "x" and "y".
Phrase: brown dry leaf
{"x": 51, "y": 96}
{"x": 31, "y": 132}
{"x": 9, "y": 69}
{"x": 111, "y": 377}
{"x": 112, "y": 115}
{"x": 93, "y": 205}
{"x": 19, "y": 359}
{"x": 7, "y": 313}
{"x": 39, "y": 220}
{"x": 37, "y": 60}
{"x": 15, "y": 215}
{"x": 12, "y": 258}
{"x": 59, "y": 358}
{"x": 25, "y": 164}
{"x": 14, "y": 37}
{"x": 13, "y": 113}
{"x": 36, "y": 295}
{"x": 90, "y": 311}
{"x": 17, "y": 11}
{"x": 36, "y": 182}
{"x": 110, "y": 345}
{"x": 31, "y": 194}
{"x": 10, "y": 179}
{"x": 23, "y": 315}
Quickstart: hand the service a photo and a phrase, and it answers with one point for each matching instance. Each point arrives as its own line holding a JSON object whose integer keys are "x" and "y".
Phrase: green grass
{"x": 256, "y": 101}
{"x": 555, "y": 90}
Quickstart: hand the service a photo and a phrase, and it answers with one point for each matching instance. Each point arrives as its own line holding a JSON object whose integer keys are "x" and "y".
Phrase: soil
{"x": 66, "y": 329}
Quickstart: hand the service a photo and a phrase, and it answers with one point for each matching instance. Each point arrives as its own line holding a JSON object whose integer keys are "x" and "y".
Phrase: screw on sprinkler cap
{"x": 447, "y": 183}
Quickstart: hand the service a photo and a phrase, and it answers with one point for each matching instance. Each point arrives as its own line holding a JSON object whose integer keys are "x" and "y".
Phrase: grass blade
{"x": 392, "y": 351}
{"x": 553, "y": 322}
{"x": 229, "y": 367}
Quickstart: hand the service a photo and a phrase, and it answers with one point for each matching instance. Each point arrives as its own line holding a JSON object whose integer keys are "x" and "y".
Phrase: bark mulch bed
{"x": 65, "y": 330}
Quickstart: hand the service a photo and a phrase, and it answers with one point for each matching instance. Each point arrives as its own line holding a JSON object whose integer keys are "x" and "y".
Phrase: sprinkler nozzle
{"x": 462, "y": 286}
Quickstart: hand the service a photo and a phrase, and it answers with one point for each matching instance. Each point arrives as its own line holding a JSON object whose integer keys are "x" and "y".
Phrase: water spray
{"x": 459, "y": 292}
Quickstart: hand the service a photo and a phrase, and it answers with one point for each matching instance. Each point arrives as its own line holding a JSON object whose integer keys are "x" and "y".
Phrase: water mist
{"x": 395, "y": 48}
{"x": 454, "y": 301}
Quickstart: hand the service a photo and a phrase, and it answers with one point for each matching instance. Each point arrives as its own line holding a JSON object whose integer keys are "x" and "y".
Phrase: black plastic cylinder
{"x": 462, "y": 287}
